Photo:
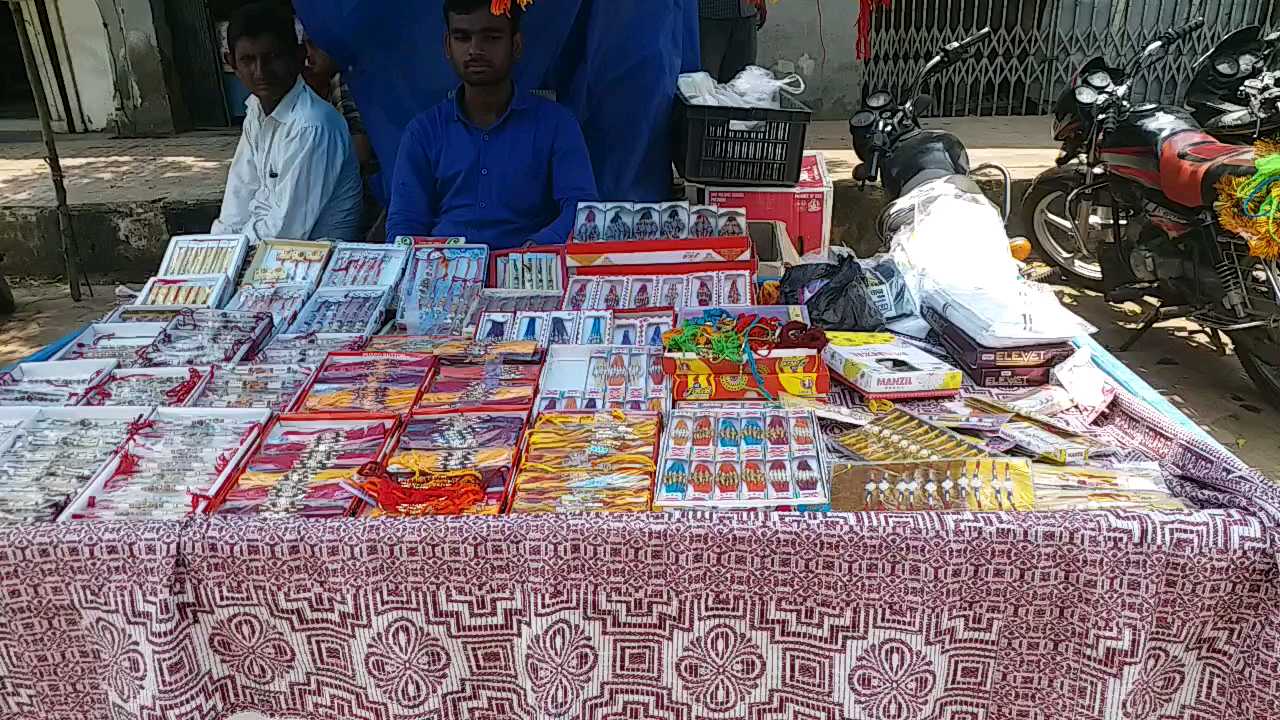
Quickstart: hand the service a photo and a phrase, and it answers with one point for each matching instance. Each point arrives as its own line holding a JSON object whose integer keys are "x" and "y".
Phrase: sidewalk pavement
{"x": 129, "y": 196}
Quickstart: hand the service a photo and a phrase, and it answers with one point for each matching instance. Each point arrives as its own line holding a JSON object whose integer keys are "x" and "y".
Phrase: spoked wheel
{"x": 1052, "y": 230}
{"x": 1259, "y": 353}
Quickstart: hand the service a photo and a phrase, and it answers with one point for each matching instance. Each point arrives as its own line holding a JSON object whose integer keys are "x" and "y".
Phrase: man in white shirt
{"x": 294, "y": 175}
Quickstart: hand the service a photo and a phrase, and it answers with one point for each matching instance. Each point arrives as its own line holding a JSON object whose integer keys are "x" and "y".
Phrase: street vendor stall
{"x": 608, "y": 508}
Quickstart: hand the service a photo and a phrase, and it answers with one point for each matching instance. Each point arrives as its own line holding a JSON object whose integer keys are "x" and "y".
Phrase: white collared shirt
{"x": 295, "y": 175}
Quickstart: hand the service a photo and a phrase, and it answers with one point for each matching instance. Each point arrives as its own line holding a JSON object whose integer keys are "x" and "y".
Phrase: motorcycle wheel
{"x": 1259, "y": 353}
{"x": 1051, "y": 229}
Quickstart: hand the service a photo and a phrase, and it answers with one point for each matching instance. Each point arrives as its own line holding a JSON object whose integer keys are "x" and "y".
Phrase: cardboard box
{"x": 743, "y": 386}
{"x": 805, "y": 209}
{"x": 889, "y": 370}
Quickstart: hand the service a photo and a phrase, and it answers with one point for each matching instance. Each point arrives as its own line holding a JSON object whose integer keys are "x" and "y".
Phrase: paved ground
{"x": 1210, "y": 388}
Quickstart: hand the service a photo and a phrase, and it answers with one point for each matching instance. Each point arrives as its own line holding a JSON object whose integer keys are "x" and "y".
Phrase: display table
{"x": 876, "y": 615}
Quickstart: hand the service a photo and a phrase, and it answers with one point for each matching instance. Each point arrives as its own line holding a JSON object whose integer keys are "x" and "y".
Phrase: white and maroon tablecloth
{"x": 1133, "y": 615}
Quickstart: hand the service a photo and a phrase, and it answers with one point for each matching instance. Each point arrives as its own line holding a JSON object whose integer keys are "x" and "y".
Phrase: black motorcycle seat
{"x": 1192, "y": 163}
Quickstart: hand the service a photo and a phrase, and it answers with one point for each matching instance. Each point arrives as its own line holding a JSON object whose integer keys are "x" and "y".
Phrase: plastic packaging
{"x": 837, "y": 295}
{"x": 753, "y": 87}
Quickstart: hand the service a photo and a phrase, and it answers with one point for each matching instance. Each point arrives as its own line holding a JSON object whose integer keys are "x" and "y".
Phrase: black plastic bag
{"x": 842, "y": 301}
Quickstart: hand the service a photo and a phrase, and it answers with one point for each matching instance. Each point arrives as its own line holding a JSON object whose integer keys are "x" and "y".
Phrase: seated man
{"x": 491, "y": 163}
{"x": 294, "y": 175}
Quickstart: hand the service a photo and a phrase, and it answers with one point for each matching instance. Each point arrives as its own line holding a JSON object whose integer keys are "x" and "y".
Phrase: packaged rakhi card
{"x": 204, "y": 255}
{"x": 675, "y": 220}
{"x": 273, "y": 387}
{"x": 742, "y": 458}
{"x": 51, "y": 458}
{"x": 58, "y": 382}
{"x": 305, "y": 465}
{"x": 111, "y": 341}
{"x": 980, "y": 485}
{"x": 587, "y": 462}
{"x": 358, "y": 311}
{"x": 365, "y": 265}
{"x": 577, "y": 377}
{"x": 367, "y": 382}
{"x": 441, "y": 285}
{"x": 288, "y": 262}
{"x": 589, "y": 227}
{"x": 646, "y": 221}
{"x": 282, "y": 302}
{"x": 619, "y": 222}
{"x": 171, "y": 464}
{"x": 186, "y": 290}
{"x": 172, "y": 387}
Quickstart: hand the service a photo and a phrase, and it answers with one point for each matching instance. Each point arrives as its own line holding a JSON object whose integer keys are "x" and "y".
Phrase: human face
{"x": 481, "y": 47}
{"x": 267, "y": 67}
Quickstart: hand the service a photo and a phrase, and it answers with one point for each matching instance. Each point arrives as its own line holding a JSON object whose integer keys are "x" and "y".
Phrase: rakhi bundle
{"x": 978, "y": 485}
{"x": 367, "y": 382}
{"x": 55, "y": 455}
{"x": 492, "y": 386}
{"x": 457, "y": 464}
{"x": 112, "y": 341}
{"x": 588, "y": 462}
{"x": 170, "y": 462}
{"x": 305, "y": 464}
{"x": 274, "y": 387}
{"x": 584, "y": 377}
{"x": 440, "y": 288}
{"x": 152, "y": 386}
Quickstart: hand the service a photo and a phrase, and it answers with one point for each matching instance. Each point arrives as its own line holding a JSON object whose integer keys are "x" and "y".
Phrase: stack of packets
{"x": 742, "y": 458}
{"x": 57, "y": 382}
{"x": 978, "y": 485}
{"x": 51, "y": 458}
{"x": 274, "y": 387}
{"x": 1042, "y": 438}
{"x": 171, "y": 462}
{"x": 458, "y": 464}
{"x": 366, "y": 382}
{"x": 578, "y": 327}
{"x": 441, "y": 285}
{"x": 880, "y": 366}
{"x": 534, "y": 268}
{"x": 1120, "y": 486}
{"x": 196, "y": 271}
{"x": 588, "y": 462}
{"x": 154, "y": 386}
{"x": 490, "y": 386}
{"x": 618, "y": 221}
{"x": 621, "y": 292}
{"x": 207, "y": 337}
{"x": 305, "y": 465}
{"x": 582, "y": 377}
{"x": 1018, "y": 367}
{"x": 900, "y": 436}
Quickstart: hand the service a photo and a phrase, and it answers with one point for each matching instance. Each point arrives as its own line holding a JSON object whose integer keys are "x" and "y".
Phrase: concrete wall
{"x": 135, "y": 32}
{"x": 90, "y": 75}
{"x": 791, "y": 42}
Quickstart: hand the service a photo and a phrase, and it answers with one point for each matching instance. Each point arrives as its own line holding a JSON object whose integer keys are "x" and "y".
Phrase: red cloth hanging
{"x": 863, "y": 50}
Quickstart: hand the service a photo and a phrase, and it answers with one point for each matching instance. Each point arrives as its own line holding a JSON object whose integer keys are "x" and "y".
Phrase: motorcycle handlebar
{"x": 1182, "y": 33}
{"x": 969, "y": 42}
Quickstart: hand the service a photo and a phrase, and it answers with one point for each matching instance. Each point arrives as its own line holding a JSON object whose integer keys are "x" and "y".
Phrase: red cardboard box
{"x": 805, "y": 209}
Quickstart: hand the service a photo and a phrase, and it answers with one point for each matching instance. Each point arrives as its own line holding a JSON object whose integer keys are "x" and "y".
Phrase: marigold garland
{"x": 1247, "y": 205}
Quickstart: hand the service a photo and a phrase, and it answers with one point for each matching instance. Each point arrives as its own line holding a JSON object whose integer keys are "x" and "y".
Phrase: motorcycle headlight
{"x": 1098, "y": 80}
{"x": 1086, "y": 95}
{"x": 1227, "y": 67}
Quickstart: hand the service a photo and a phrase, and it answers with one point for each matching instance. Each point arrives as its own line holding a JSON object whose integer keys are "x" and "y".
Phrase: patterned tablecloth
{"x": 1110, "y": 615}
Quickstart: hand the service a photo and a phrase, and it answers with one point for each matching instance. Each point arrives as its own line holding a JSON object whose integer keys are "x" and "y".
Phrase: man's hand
{"x": 762, "y": 14}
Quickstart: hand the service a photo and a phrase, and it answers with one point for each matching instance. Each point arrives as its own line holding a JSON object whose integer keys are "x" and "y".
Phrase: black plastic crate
{"x": 713, "y": 148}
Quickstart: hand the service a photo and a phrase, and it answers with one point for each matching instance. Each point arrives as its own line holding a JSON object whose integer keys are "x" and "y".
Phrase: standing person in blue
{"x": 491, "y": 163}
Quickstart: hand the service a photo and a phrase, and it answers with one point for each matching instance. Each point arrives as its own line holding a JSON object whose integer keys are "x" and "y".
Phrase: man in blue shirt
{"x": 491, "y": 163}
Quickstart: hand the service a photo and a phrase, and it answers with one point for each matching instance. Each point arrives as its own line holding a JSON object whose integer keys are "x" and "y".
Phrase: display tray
{"x": 365, "y": 265}
{"x": 204, "y": 255}
{"x": 52, "y": 383}
{"x": 207, "y": 291}
{"x": 111, "y": 341}
{"x": 288, "y": 262}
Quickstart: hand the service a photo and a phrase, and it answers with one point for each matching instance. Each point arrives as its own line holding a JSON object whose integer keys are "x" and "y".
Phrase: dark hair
{"x": 466, "y": 7}
{"x": 259, "y": 19}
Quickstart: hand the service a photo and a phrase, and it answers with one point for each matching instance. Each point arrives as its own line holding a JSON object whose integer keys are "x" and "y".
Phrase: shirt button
{"x": 482, "y": 204}
{"x": 486, "y": 137}
{"x": 484, "y": 171}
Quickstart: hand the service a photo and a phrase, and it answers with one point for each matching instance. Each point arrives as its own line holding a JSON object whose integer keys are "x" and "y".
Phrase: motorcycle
{"x": 1154, "y": 171}
{"x": 895, "y": 149}
{"x": 1052, "y": 209}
